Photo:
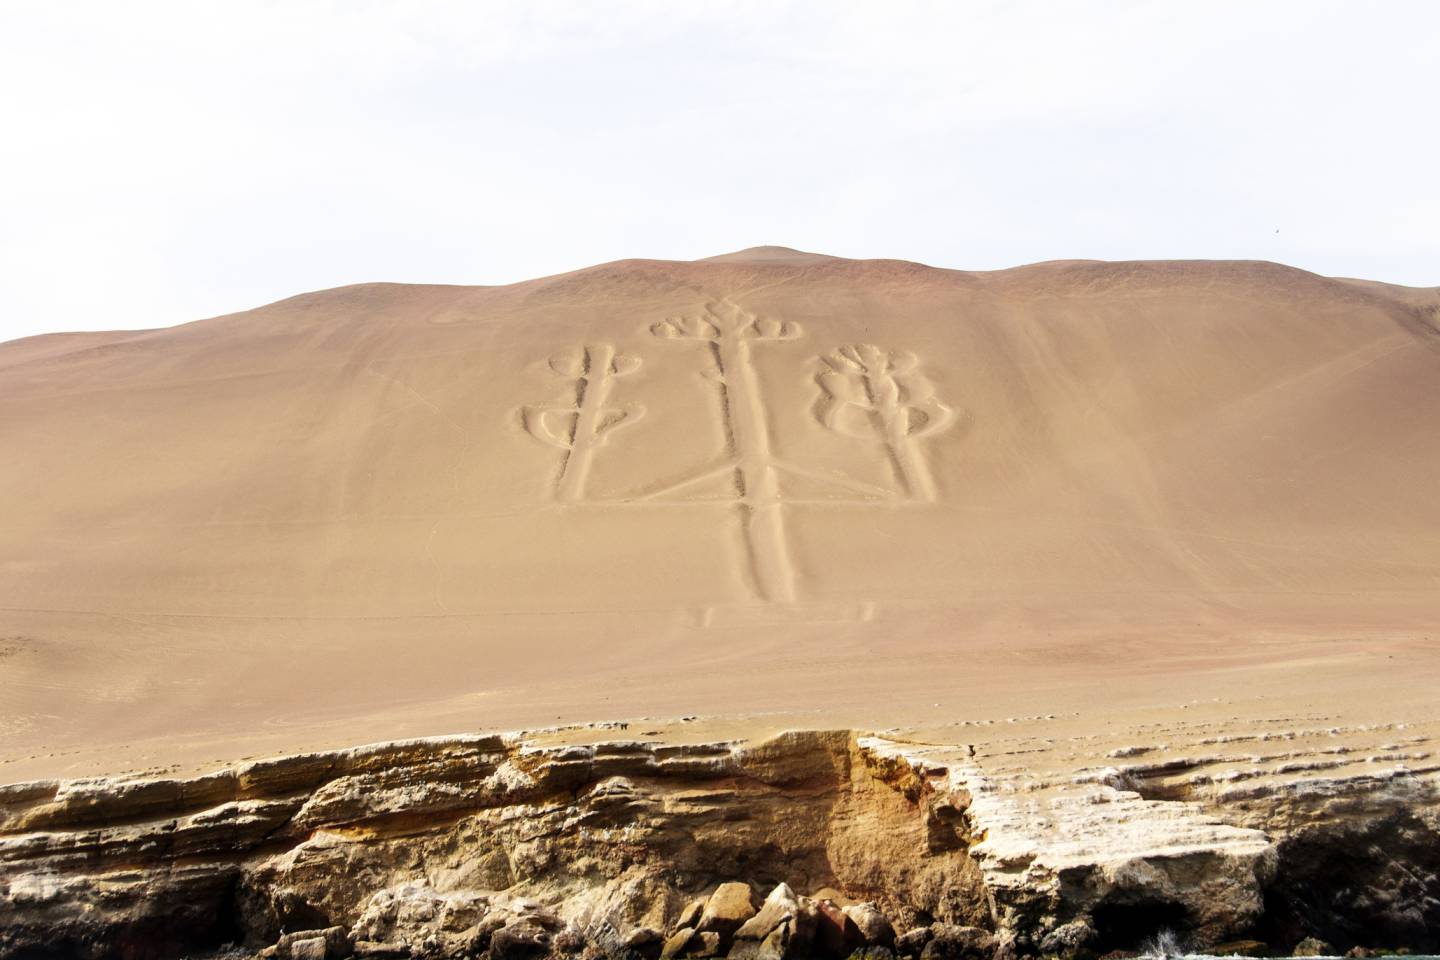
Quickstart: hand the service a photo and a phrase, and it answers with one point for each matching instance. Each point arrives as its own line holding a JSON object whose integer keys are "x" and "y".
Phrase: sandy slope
{"x": 800, "y": 490}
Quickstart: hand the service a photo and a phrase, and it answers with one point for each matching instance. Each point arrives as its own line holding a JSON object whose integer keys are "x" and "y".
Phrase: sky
{"x": 167, "y": 161}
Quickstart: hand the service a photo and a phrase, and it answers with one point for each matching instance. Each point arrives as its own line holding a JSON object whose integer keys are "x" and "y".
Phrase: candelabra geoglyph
{"x": 867, "y": 393}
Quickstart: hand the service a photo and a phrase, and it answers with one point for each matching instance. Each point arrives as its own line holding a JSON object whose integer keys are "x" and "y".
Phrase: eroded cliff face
{"x": 438, "y": 847}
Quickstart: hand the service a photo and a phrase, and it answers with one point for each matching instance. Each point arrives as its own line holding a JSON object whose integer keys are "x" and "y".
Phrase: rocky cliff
{"x": 522, "y": 846}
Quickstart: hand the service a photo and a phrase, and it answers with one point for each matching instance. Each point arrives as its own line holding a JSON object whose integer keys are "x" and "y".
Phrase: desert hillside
{"x": 766, "y": 489}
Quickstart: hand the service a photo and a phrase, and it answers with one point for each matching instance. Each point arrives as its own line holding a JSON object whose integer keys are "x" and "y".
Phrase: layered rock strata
{"x": 502, "y": 845}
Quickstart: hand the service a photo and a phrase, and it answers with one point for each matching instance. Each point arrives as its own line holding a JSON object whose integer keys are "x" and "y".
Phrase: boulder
{"x": 690, "y": 916}
{"x": 705, "y": 943}
{"x": 644, "y": 941}
{"x": 1069, "y": 939}
{"x": 744, "y": 950}
{"x": 309, "y": 949}
{"x": 728, "y": 907}
{"x": 836, "y": 935}
{"x": 779, "y": 945}
{"x": 461, "y": 911}
{"x": 520, "y": 941}
{"x": 480, "y": 936}
{"x": 833, "y": 895}
{"x": 568, "y": 940}
{"x": 335, "y": 944}
{"x": 416, "y": 914}
{"x": 873, "y": 925}
{"x": 676, "y": 943}
{"x": 911, "y": 942}
{"x": 1313, "y": 947}
{"x": 781, "y": 903}
{"x": 381, "y": 951}
{"x": 872, "y": 953}
{"x": 542, "y": 917}
{"x": 794, "y": 937}
{"x": 949, "y": 941}
{"x": 803, "y": 925}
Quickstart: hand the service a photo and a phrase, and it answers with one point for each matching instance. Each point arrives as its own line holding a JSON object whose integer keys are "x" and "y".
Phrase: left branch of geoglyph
{"x": 580, "y": 424}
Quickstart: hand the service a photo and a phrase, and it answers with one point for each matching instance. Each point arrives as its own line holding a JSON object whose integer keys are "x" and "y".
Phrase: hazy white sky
{"x": 165, "y": 161}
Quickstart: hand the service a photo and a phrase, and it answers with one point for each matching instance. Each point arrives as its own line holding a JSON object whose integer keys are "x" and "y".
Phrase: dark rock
{"x": 642, "y": 940}
{"x": 1071, "y": 939}
{"x": 1241, "y": 948}
{"x": 911, "y": 942}
{"x": 874, "y": 926}
{"x": 676, "y": 943}
{"x": 484, "y": 931}
{"x": 744, "y": 950}
{"x": 381, "y": 951}
{"x": 545, "y": 919}
{"x": 705, "y": 943}
{"x": 777, "y": 945}
{"x": 951, "y": 942}
{"x": 690, "y": 916}
{"x": 568, "y": 941}
{"x": 872, "y": 953}
{"x": 520, "y": 941}
{"x": 793, "y": 938}
{"x": 836, "y": 935}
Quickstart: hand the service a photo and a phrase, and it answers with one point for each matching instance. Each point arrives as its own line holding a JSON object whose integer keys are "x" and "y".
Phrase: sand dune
{"x": 775, "y": 487}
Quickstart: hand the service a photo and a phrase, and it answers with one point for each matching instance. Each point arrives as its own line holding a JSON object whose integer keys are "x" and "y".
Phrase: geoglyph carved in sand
{"x": 895, "y": 403}
{"x": 581, "y": 424}
{"x": 867, "y": 393}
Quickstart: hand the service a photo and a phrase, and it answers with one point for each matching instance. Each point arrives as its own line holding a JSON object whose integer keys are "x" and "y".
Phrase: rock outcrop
{"x": 499, "y": 846}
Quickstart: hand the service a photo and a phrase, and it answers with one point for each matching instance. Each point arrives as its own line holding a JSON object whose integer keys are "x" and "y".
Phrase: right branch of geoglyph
{"x": 877, "y": 394}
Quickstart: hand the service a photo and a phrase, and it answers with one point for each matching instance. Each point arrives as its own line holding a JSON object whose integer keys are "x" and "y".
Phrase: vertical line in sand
{"x": 590, "y": 395}
{"x": 762, "y": 520}
{"x": 910, "y": 469}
